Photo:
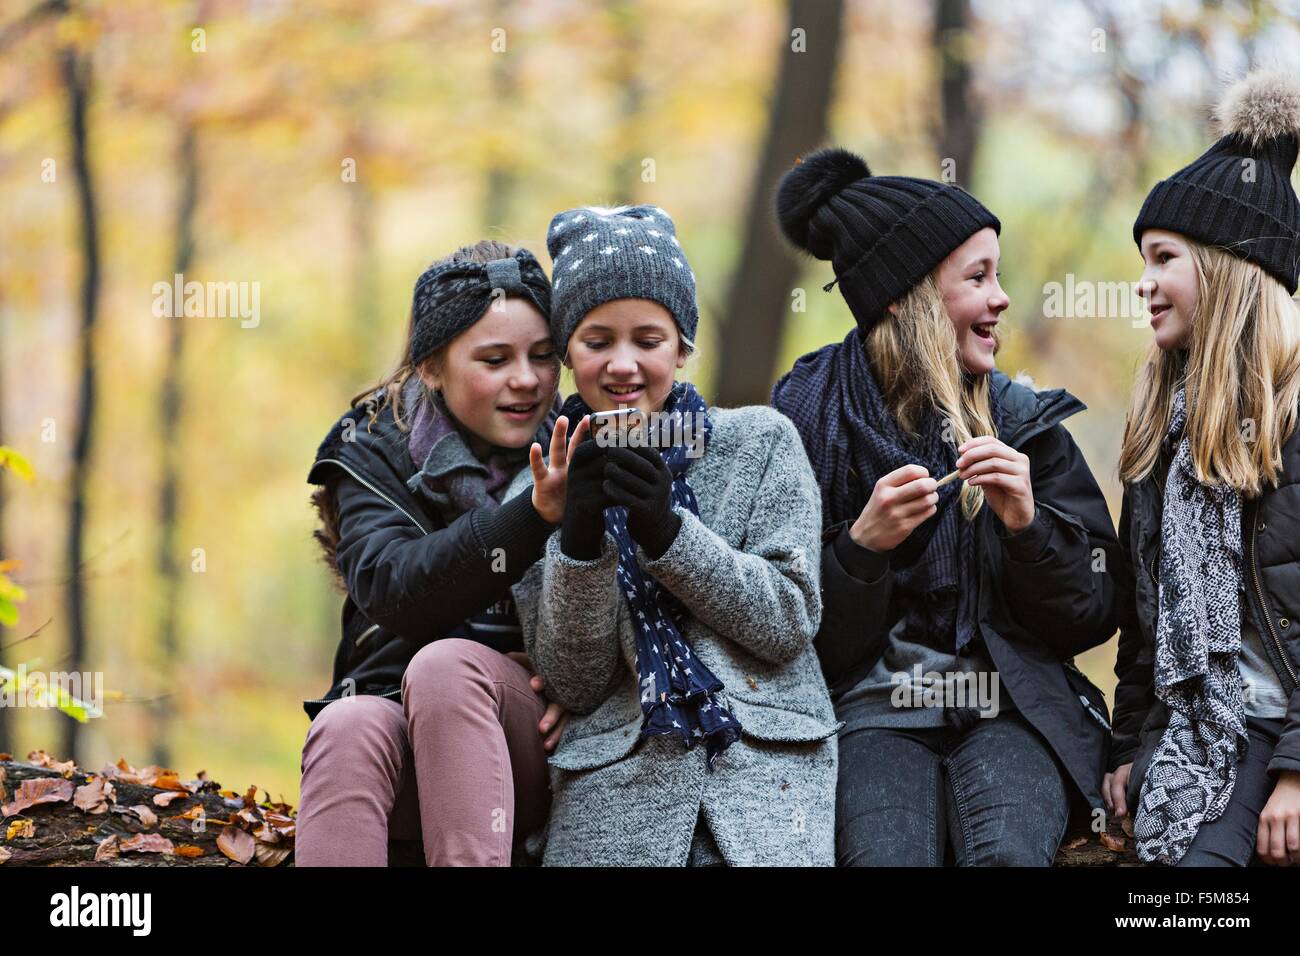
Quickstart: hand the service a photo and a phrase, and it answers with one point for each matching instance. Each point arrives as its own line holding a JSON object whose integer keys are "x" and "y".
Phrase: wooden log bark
{"x": 62, "y": 834}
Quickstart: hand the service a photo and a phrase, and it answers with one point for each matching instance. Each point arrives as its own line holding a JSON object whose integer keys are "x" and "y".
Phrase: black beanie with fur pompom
{"x": 1238, "y": 194}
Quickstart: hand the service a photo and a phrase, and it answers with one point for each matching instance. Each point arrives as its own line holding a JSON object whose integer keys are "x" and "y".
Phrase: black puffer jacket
{"x": 1270, "y": 535}
{"x": 409, "y": 577}
{"x": 1045, "y": 595}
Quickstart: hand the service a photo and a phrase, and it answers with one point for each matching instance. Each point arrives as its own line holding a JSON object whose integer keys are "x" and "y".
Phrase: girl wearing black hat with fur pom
{"x": 435, "y": 728}
{"x": 1206, "y": 754}
{"x": 965, "y": 539}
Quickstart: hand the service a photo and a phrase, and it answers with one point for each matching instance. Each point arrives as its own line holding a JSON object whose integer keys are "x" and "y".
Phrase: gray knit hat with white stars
{"x": 626, "y": 253}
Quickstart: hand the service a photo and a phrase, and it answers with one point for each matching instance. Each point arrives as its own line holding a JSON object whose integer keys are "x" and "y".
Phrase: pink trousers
{"x": 459, "y": 763}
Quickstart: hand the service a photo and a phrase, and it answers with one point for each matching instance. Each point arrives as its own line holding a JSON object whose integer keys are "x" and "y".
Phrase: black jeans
{"x": 994, "y": 793}
{"x": 1230, "y": 840}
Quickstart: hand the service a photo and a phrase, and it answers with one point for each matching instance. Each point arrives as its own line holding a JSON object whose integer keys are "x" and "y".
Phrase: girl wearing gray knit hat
{"x": 1206, "y": 751}
{"x": 674, "y": 612}
{"x": 945, "y": 622}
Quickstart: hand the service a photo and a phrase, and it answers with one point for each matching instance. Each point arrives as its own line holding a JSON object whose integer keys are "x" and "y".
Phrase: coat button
{"x": 1261, "y": 526}
{"x": 1284, "y": 622}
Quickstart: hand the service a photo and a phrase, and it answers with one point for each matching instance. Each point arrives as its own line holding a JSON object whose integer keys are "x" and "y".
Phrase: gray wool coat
{"x": 748, "y": 570}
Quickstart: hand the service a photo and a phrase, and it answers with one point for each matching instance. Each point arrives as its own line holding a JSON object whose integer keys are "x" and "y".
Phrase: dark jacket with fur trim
{"x": 1045, "y": 594}
{"x": 409, "y": 577}
{"x": 1270, "y": 536}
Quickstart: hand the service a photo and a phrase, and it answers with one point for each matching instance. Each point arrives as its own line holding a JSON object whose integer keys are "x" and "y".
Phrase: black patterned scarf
{"x": 1198, "y": 636}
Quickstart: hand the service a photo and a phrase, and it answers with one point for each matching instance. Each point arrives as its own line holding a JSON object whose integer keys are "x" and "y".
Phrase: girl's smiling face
{"x": 499, "y": 376}
{"x": 1169, "y": 286}
{"x": 624, "y": 353}
{"x": 973, "y": 298}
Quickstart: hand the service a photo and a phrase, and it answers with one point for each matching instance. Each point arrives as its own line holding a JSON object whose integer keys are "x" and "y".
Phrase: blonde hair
{"x": 914, "y": 355}
{"x": 1243, "y": 358}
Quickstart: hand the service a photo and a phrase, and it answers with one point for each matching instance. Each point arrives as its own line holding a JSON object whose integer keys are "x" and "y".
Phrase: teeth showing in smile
{"x": 623, "y": 389}
{"x": 519, "y": 408}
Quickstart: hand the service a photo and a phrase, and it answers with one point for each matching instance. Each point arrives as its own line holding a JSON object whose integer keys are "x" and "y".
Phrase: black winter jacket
{"x": 1270, "y": 535}
{"x": 1045, "y": 595}
{"x": 409, "y": 577}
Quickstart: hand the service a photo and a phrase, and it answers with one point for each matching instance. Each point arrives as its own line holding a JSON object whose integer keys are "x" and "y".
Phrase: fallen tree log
{"x": 72, "y": 828}
{"x": 55, "y": 814}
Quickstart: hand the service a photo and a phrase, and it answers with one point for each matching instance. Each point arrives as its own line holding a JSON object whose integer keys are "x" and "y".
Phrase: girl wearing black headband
{"x": 436, "y": 726}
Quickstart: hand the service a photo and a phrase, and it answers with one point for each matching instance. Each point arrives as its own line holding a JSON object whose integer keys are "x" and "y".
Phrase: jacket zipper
{"x": 1267, "y": 613}
{"x": 350, "y": 471}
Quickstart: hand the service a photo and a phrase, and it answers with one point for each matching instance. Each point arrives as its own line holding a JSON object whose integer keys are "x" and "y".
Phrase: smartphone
{"x": 613, "y": 428}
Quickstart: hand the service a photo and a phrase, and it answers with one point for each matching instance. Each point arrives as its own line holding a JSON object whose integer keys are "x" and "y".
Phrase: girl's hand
{"x": 1003, "y": 473}
{"x": 1277, "y": 842}
{"x": 1114, "y": 787}
{"x": 549, "y": 481}
{"x": 901, "y": 500}
{"x": 554, "y": 720}
{"x": 556, "y": 717}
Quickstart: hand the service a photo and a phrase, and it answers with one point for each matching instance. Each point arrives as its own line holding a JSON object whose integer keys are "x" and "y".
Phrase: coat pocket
{"x": 766, "y": 722}
{"x": 1088, "y": 694}
{"x": 596, "y": 750}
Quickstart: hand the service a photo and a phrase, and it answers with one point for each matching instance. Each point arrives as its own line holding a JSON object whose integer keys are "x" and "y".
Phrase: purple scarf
{"x": 449, "y": 475}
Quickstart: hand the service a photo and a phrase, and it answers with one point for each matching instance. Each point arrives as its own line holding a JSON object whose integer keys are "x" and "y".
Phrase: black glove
{"x": 583, "y": 526}
{"x": 639, "y": 480}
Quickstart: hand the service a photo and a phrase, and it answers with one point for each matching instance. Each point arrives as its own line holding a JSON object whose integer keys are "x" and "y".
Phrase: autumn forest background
{"x": 154, "y": 516}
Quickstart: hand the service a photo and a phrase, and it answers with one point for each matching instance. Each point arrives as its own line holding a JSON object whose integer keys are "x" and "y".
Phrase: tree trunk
{"x": 501, "y": 177}
{"x": 956, "y": 135}
{"x": 759, "y": 296}
{"x": 626, "y": 185}
{"x": 172, "y": 407}
{"x": 76, "y": 75}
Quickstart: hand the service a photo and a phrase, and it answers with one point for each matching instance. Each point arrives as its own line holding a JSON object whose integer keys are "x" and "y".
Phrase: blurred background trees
{"x": 326, "y": 153}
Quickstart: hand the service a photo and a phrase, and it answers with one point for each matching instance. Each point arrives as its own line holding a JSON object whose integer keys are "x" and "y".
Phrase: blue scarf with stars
{"x": 678, "y": 693}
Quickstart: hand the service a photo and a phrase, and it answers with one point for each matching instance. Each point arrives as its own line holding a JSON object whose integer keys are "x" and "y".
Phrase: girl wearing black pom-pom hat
{"x": 1206, "y": 750}
{"x": 965, "y": 540}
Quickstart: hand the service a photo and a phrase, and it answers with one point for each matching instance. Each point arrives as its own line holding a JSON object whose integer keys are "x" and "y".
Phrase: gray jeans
{"x": 993, "y": 794}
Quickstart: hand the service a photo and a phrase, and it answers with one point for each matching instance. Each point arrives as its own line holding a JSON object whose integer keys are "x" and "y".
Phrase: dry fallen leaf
{"x": 265, "y": 834}
{"x": 147, "y": 817}
{"x": 268, "y": 855}
{"x": 236, "y": 844}
{"x": 250, "y": 798}
{"x": 169, "y": 781}
{"x": 20, "y": 828}
{"x": 147, "y": 843}
{"x": 1126, "y": 824}
{"x": 193, "y": 813}
{"x": 189, "y": 850}
{"x": 4, "y": 854}
{"x": 94, "y": 796}
{"x": 162, "y": 799}
{"x": 108, "y": 850}
{"x": 6, "y": 756}
{"x": 42, "y": 759}
{"x": 1076, "y": 843}
{"x": 250, "y": 817}
{"x": 1113, "y": 843}
{"x": 33, "y": 792}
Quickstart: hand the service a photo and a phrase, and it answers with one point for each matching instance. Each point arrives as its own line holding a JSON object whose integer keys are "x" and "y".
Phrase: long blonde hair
{"x": 1243, "y": 359}
{"x": 915, "y": 358}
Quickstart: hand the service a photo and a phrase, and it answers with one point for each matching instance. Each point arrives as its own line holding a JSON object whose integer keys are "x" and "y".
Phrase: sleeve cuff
{"x": 515, "y": 526}
{"x": 862, "y": 563}
{"x": 1029, "y": 543}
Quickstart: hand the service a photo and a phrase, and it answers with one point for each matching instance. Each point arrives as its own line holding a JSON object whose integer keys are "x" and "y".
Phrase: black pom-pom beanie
{"x": 882, "y": 234}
